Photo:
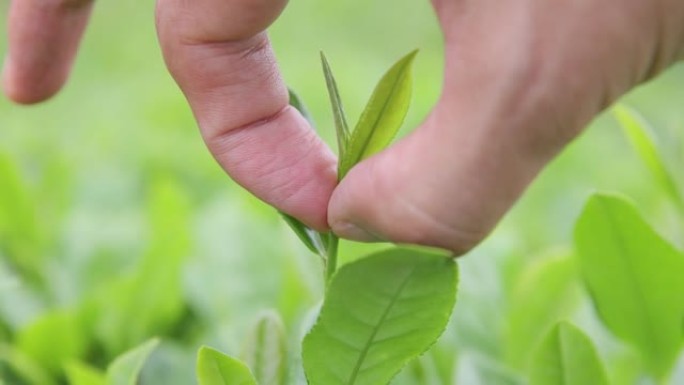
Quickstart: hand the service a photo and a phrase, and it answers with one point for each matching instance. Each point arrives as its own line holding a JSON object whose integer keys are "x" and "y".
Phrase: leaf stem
{"x": 331, "y": 260}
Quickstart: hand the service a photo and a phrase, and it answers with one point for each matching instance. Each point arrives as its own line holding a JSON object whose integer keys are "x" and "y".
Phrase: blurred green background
{"x": 117, "y": 225}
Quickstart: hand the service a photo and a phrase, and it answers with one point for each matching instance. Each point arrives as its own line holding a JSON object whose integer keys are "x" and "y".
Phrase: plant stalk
{"x": 331, "y": 260}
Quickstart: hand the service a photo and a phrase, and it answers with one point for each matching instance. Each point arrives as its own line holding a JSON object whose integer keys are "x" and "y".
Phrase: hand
{"x": 221, "y": 58}
{"x": 522, "y": 79}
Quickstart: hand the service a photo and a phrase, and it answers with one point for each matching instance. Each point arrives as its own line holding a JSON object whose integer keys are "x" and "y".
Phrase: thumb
{"x": 220, "y": 56}
{"x": 522, "y": 80}
{"x": 431, "y": 188}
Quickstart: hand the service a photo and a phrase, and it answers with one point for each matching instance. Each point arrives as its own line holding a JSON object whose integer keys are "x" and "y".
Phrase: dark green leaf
{"x": 642, "y": 136}
{"x": 635, "y": 279}
{"x": 216, "y": 368}
{"x": 341, "y": 127}
{"x": 298, "y": 104}
{"x": 125, "y": 370}
{"x": 383, "y": 115}
{"x": 567, "y": 357}
{"x": 379, "y": 313}
{"x": 265, "y": 350}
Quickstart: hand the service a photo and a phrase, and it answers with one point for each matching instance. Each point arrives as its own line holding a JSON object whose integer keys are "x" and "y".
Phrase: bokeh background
{"x": 116, "y": 224}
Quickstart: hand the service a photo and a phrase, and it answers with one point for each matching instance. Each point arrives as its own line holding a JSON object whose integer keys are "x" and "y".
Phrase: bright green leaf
{"x": 635, "y": 279}
{"x": 642, "y": 137}
{"x": 23, "y": 367}
{"x": 19, "y": 231}
{"x": 152, "y": 295}
{"x": 546, "y": 292}
{"x": 383, "y": 115}
{"x": 566, "y": 356}
{"x": 341, "y": 127}
{"x": 379, "y": 313}
{"x": 126, "y": 368}
{"x": 216, "y": 368}
{"x": 52, "y": 340}
{"x": 265, "y": 350}
{"x": 81, "y": 374}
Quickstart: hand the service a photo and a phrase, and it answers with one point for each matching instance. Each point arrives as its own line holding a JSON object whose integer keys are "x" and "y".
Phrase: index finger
{"x": 43, "y": 38}
{"x": 223, "y": 61}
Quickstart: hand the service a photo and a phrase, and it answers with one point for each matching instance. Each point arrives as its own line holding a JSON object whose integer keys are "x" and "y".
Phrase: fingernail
{"x": 353, "y": 232}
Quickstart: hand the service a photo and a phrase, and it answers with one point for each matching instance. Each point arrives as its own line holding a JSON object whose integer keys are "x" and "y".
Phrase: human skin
{"x": 522, "y": 79}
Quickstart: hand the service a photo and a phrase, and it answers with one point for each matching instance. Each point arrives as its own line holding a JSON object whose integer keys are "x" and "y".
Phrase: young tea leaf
{"x": 53, "y": 339}
{"x": 81, "y": 374}
{"x": 635, "y": 279}
{"x": 379, "y": 313}
{"x": 341, "y": 127}
{"x": 126, "y": 368}
{"x": 546, "y": 292}
{"x": 566, "y": 356}
{"x": 23, "y": 367}
{"x": 265, "y": 350}
{"x": 641, "y": 136}
{"x": 216, "y": 368}
{"x": 316, "y": 242}
{"x": 153, "y": 294}
{"x": 382, "y": 117}
{"x": 19, "y": 226}
{"x": 298, "y": 104}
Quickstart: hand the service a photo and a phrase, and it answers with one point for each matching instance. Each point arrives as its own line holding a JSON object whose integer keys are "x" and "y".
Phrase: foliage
{"x": 567, "y": 357}
{"x": 634, "y": 277}
{"x": 116, "y": 226}
{"x": 380, "y": 312}
{"x": 215, "y": 368}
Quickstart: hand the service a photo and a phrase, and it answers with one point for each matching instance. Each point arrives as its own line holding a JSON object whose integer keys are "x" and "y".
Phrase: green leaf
{"x": 265, "y": 350}
{"x": 341, "y": 127}
{"x": 546, "y": 292}
{"x": 316, "y": 242}
{"x": 298, "y": 104}
{"x": 383, "y": 115}
{"x": 635, "y": 279}
{"x": 642, "y": 137}
{"x": 216, "y": 368}
{"x": 126, "y": 368}
{"x": 379, "y": 313}
{"x": 52, "y": 340}
{"x": 22, "y": 367}
{"x": 81, "y": 374}
{"x": 476, "y": 369}
{"x": 20, "y": 237}
{"x": 567, "y": 357}
{"x": 153, "y": 294}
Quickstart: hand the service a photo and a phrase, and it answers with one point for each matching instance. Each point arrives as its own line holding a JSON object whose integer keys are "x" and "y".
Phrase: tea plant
{"x": 381, "y": 313}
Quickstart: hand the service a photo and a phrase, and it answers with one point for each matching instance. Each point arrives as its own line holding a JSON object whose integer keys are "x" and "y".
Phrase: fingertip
{"x": 374, "y": 203}
{"x": 350, "y": 231}
{"x": 23, "y": 92}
